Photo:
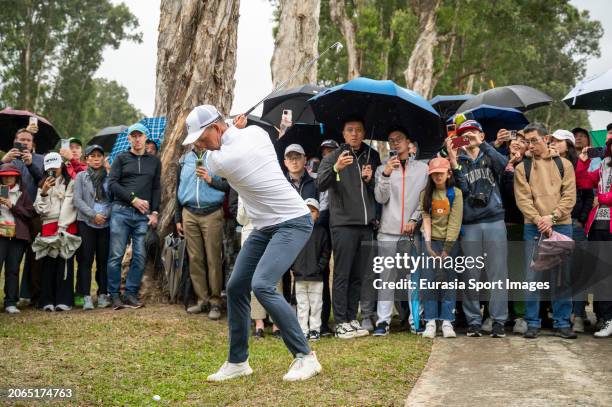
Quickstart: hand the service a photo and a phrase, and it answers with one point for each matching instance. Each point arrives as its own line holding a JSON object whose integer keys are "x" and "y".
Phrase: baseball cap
{"x": 562, "y": 134}
{"x": 329, "y": 144}
{"x": 312, "y": 202}
{"x": 294, "y": 148}
{"x": 469, "y": 125}
{"x": 581, "y": 130}
{"x": 138, "y": 127}
{"x": 52, "y": 161}
{"x": 94, "y": 147}
{"x": 75, "y": 140}
{"x": 8, "y": 170}
{"x": 198, "y": 120}
{"x": 439, "y": 164}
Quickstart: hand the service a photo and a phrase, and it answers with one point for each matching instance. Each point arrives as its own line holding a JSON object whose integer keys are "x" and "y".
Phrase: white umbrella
{"x": 62, "y": 244}
{"x": 593, "y": 93}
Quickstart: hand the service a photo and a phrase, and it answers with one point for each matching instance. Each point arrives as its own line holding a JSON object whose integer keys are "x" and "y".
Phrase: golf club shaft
{"x": 286, "y": 81}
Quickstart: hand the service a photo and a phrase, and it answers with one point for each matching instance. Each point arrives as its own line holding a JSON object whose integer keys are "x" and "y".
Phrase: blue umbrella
{"x": 494, "y": 118}
{"x": 383, "y": 106}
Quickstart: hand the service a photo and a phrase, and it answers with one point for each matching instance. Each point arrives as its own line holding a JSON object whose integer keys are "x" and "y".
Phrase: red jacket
{"x": 75, "y": 166}
{"x": 590, "y": 179}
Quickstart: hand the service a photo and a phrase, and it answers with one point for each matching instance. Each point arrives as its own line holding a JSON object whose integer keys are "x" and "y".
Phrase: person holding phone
{"x": 199, "y": 218}
{"x": 72, "y": 151}
{"x": 92, "y": 202}
{"x": 16, "y": 210}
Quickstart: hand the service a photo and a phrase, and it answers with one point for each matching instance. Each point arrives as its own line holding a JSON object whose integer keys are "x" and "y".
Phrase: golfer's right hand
{"x": 344, "y": 159}
{"x": 240, "y": 121}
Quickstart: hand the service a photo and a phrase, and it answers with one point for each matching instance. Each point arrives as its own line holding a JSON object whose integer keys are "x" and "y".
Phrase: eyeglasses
{"x": 294, "y": 158}
{"x": 394, "y": 140}
{"x": 532, "y": 140}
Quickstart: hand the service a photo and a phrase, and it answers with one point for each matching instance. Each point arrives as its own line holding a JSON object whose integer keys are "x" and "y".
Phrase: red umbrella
{"x": 12, "y": 120}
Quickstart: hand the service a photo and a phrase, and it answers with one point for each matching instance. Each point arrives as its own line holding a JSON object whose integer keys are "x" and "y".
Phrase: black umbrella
{"x": 447, "y": 105}
{"x": 518, "y": 97}
{"x": 106, "y": 137}
{"x": 253, "y": 120}
{"x": 12, "y": 120}
{"x": 294, "y": 99}
{"x": 309, "y": 136}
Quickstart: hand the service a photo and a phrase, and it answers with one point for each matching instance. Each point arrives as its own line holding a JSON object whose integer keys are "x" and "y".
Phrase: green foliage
{"x": 51, "y": 50}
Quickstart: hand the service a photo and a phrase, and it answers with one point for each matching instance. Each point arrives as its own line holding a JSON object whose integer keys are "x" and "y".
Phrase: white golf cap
{"x": 52, "y": 161}
{"x": 198, "y": 120}
{"x": 564, "y": 135}
{"x": 294, "y": 148}
{"x": 312, "y": 202}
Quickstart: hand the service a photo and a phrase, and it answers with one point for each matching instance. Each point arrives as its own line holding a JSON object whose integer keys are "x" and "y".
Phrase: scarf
{"x": 97, "y": 179}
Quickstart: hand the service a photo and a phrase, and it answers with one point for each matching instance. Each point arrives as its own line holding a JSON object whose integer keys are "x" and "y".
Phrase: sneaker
{"x": 531, "y": 333}
{"x": 303, "y": 368}
{"x": 62, "y": 307}
{"x": 366, "y": 323}
{"x": 104, "y": 301}
{"x": 11, "y": 309}
{"x": 195, "y": 309}
{"x": 578, "y": 325}
{"x": 325, "y": 331}
{"x": 230, "y": 371}
{"x": 345, "y": 331}
{"x": 359, "y": 330}
{"x": 132, "y": 301}
{"x": 382, "y": 329}
{"x": 487, "y": 326}
{"x": 88, "y": 302}
{"x": 447, "y": 330}
{"x": 49, "y": 308}
{"x": 598, "y": 325}
{"x": 565, "y": 333}
{"x": 117, "y": 303}
{"x": 24, "y": 303}
{"x": 79, "y": 301}
{"x": 430, "y": 329}
{"x": 520, "y": 326}
{"x": 314, "y": 336}
{"x": 259, "y": 333}
{"x": 214, "y": 313}
{"x": 474, "y": 331}
{"x": 498, "y": 330}
{"x": 605, "y": 331}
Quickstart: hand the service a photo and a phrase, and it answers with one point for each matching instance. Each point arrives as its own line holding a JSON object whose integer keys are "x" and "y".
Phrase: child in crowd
{"x": 57, "y": 242}
{"x": 308, "y": 273}
{"x": 16, "y": 210}
{"x": 91, "y": 200}
{"x": 442, "y": 210}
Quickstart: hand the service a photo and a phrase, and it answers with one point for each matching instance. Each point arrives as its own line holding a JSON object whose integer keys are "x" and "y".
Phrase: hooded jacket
{"x": 56, "y": 209}
{"x": 545, "y": 193}
{"x": 351, "y": 200}
{"x": 314, "y": 257}
{"x": 481, "y": 176}
{"x": 22, "y": 211}
{"x": 597, "y": 179}
{"x": 399, "y": 195}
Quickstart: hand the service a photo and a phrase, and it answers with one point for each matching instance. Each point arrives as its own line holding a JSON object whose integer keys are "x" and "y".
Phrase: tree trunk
{"x": 345, "y": 23}
{"x": 420, "y": 71}
{"x": 297, "y": 41}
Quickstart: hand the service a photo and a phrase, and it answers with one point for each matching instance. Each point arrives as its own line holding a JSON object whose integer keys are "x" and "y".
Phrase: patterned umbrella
{"x": 156, "y": 126}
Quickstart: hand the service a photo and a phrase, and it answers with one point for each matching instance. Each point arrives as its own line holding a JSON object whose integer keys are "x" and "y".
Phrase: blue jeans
{"x": 266, "y": 255}
{"x": 439, "y": 304}
{"x": 126, "y": 222}
{"x": 561, "y": 295}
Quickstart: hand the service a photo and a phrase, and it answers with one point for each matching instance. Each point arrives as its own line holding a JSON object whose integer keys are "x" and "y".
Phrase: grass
{"x": 125, "y": 357}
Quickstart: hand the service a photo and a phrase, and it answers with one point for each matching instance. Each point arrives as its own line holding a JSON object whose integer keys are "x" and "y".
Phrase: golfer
{"x": 246, "y": 158}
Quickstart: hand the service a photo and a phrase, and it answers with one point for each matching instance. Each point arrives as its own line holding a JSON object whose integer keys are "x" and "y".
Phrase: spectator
{"x": 199, "y": 217}
{"x": 308, "y": 273}
{"x": 545, "y": 190}
{"x": 92, "y": 202}
{"x": 477, "y": 169}
{"x": 151, "y": 148}
{"x": 58, "y": 216}
{"x": 134, "y": 183}
{"x": 16, "y": 210}
{"x": 348, "y": 175}
{"x": 441, "y": 205}
{"x": 399, "y": 183}
{"x": 599, "y": 229}
{"x": 73, "y": 155}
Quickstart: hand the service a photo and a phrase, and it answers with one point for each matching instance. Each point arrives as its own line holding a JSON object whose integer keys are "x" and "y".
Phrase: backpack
{"x": 527, "y": 162}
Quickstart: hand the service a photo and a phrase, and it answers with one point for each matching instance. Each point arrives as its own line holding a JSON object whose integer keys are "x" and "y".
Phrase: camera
{"x": 479, "y": 200}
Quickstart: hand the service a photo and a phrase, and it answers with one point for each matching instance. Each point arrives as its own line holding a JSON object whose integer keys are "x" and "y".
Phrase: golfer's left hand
{"x": 240, "y": 121}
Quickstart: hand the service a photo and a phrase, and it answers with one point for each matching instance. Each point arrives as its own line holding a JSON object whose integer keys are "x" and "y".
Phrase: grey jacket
{"x": 398, "y": 209}
{"x": 85, "y": 198}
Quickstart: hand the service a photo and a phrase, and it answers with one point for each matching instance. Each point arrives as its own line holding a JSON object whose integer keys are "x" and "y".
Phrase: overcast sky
{"x": 133, "y": 65}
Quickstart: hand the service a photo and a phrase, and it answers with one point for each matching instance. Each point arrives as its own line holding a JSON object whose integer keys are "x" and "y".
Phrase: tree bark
{"x": 297, "y": 41}
{"x": 420, "y": 71}
{"x": 346, "y": 25}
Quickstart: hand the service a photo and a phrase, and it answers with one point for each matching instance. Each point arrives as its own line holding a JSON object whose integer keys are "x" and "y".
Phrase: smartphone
{"x": 19, "y": 146}
{"x": 65, "y": 144}
{"x": 34, "y": 120}
{"x": 51, "y": 173}
{"x": 287, "y": 115}
{"x": 460, "y": 141}
{"x": 199, "y": 162}
{"x": 4, "y": 191}
{"x": 596, "y": 152}
{"x": 392, "y": 153}
{"x": 451, "y": 130}
{"x": 513, "y": 134}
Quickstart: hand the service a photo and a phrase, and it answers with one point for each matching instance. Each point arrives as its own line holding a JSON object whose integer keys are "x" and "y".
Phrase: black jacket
{"x": 307, "y": 188}
{"x": 314, "y": 257}
{"x": 512, "y": 213}
{"x": 351, "y": 200}
{"x": 137, "y": 176}
{"x": 584, "y": 204}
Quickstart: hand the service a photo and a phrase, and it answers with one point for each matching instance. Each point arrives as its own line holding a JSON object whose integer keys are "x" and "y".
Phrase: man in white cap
{"x": 282, "y": 226}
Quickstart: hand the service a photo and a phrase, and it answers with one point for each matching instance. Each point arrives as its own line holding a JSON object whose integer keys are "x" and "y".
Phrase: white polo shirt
{"x": 248, "y": 161}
